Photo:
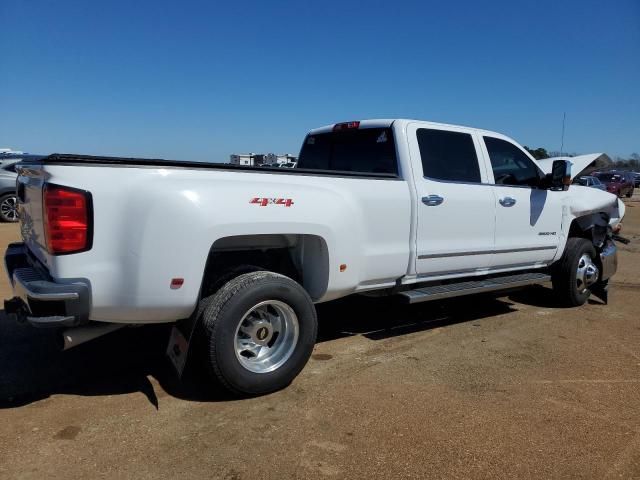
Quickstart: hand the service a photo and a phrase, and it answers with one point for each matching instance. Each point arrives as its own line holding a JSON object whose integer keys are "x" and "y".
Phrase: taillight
{"x": 67, "y": 219}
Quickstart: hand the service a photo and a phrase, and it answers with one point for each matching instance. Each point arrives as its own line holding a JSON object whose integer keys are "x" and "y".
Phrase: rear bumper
{"x": 39, "y": 299}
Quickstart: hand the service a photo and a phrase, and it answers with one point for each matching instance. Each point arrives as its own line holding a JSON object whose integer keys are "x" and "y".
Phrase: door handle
{"x": 432, "y": 200}
{"x": 507, "y": 202}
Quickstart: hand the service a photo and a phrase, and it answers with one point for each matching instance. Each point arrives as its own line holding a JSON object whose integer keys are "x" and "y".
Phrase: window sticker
{"x": 311, "y": 141}
{"x": 382, "y": 138}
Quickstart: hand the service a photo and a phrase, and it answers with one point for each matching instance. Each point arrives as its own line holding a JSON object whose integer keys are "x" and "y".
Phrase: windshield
{"x": 9, "y": 167}
{"x": 368, "y": 150}
{"x": 609, "y": 177}
{"x": 582, "y": 181}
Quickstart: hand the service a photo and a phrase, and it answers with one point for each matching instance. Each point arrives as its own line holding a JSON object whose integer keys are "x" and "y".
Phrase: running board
{"x": 437, "y": 292}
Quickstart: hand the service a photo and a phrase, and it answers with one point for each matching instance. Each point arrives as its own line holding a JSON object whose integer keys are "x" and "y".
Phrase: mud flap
{"x": 179, "y": 343}
{"x": 601, "y": 290}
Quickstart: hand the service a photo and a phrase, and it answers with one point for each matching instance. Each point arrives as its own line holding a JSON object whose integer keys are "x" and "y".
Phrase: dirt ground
{"x": 513, "y": 387}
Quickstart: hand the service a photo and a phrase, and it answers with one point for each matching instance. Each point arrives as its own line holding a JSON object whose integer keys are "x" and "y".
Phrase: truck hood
{"x": 585, "y": 200}
{"x": 578, "y": 164}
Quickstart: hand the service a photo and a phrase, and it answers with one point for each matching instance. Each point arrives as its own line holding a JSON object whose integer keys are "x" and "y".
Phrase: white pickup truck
{"x": 238, "y": 256}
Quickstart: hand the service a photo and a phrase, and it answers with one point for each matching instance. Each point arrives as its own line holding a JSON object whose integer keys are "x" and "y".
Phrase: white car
{"x": 239, "y": 255}
{"x": 590, "y": 181}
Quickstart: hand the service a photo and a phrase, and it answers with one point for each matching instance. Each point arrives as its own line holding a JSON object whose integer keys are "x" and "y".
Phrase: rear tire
{"x": 575, "y": 272}
{"x": 259, "y": 331}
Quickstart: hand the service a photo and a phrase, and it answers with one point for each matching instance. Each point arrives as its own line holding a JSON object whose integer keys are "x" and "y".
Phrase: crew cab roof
{"x": 387, "y": 122}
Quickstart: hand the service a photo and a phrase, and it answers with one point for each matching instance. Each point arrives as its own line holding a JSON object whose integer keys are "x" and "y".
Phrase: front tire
{"x": 575, "y": 272}
{"x": 260, "y": 329}
{"x": 9, "y": 208}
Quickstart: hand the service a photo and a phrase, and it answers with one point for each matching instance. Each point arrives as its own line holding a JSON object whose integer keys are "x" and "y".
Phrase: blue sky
{"x": 198, "y": 80}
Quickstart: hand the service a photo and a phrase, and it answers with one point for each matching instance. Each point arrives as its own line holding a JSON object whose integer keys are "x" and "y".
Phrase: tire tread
{"x": 213, "y": 307}
{"x": 563, "y": 279}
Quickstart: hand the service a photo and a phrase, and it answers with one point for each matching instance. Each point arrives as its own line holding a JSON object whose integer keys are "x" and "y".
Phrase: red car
{"x": 618, "y": 183}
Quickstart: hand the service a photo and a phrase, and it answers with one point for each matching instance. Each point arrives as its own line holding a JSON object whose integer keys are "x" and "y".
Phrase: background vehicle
{"x": 636, "y": 179}
{"x": 590, "y": 181}
{"x": 618, "y": 183}
{"x": 631, "y": 179}
{"x": 239, "y": 255}
{"x": 8, "y": 176}
{"x": 8, "y": 199}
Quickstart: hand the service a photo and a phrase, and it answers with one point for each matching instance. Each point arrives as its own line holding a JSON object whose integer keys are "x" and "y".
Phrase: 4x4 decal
{"x": 263, "y": 202}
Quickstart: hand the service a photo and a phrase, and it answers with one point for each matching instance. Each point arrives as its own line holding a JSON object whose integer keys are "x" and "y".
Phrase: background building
{"x": 256, "y": 159}
{"x": 242, "y": 159}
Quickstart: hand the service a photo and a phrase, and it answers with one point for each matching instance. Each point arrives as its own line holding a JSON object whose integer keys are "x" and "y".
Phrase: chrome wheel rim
{"x": 9, "y": 208}
{"x": 266, "y": 336}
{"x": 587, "y": 273}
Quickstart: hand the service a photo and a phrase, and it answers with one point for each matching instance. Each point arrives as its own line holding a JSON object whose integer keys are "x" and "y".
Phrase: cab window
{"x": 364, "y": 150}
{"x": 448, "y": 156}
{"x": 510, "y": 164}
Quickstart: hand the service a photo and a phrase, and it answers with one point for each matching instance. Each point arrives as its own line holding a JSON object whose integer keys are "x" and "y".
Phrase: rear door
{"x": 528, "y": 219}
{"x": 456, "y": 207}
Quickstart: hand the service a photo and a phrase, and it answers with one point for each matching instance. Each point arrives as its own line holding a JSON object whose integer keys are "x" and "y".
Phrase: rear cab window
{"x": 359, "y": 150}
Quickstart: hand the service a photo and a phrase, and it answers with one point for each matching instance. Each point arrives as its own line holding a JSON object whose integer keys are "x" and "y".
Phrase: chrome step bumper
{"x": 39, "y": 299}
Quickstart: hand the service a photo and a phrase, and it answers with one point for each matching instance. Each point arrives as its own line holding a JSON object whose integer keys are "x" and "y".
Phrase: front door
{"x": 528, "y": 218}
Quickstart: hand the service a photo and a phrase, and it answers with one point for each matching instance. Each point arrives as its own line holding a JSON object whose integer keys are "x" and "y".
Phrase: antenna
{"x": 564, "y": 117}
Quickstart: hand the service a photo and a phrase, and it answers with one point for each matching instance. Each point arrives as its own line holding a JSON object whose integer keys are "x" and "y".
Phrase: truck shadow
{"x": 32, "y": 367}
{"x": 381, "y": 318}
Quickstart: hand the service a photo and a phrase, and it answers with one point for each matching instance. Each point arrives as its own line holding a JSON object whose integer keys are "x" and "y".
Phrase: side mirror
{"x": 560, "y": 175}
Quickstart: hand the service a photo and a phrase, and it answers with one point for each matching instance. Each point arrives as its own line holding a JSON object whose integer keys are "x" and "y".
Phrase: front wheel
{"x": 9, "y": 208}
{"x": 260, "y": 329}
{"x": 630, "y": 193}
{"x": 576, "y": 272}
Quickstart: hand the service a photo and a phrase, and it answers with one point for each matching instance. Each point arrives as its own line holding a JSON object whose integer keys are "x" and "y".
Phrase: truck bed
{"x": 153, "y": 220}
{"x": 72, "y": 159}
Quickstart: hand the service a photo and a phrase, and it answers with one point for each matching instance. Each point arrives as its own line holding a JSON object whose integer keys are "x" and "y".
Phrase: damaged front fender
{"x": 597, "y": 215}
{"x": 586, "y": 202}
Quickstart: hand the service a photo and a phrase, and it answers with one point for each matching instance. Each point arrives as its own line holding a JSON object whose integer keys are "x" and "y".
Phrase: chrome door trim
{"x": 487, "y": 252}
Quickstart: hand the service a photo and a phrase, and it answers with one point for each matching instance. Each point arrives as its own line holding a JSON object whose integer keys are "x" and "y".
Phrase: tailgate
{"x": 30, "y": 183}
